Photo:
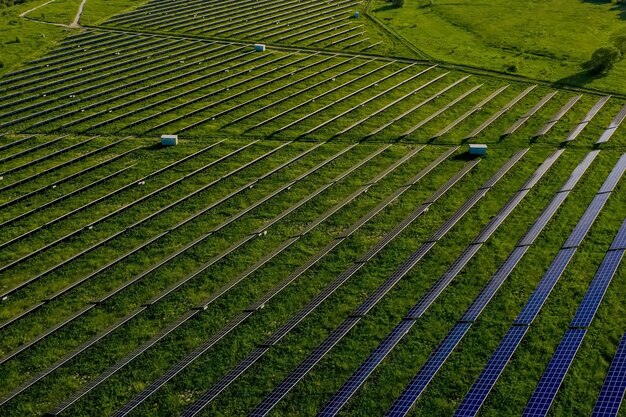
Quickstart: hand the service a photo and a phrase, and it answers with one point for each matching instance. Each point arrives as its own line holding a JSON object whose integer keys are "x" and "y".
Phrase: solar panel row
{"x": 559, "y": 114}
{"x": 610, "y": 130}
{"x": 499, "y": 360}
{"x": 492, "y": 371}
{"x": 376, "y": 357}
{"x": 614, "y": 386}
{"x": 418, "y": 384}
{"x": 340, "y": 332}
{"x": 551, "y": 380}
{"x": 375, "y": 297}
{"x": 261, "y": 303}
{"x": 523, "y": 119}
{"x": 588, "y": 117}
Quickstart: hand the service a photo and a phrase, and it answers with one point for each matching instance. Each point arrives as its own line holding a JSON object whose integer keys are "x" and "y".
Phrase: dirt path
{"x": 74, "y": 25}
{"x": 35, "y": 8}
{"x": 76, "y": 22}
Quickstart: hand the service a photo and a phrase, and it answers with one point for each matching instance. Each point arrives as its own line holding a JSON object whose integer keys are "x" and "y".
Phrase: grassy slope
{"x": 22, "y": 40}
{"x": 547, "y": 40}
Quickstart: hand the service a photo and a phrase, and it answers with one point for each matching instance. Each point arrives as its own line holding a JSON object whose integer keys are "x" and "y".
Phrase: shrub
{"x": 603, "y": 59}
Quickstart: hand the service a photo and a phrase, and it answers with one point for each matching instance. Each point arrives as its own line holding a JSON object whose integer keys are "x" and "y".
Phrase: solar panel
{"x": 216, "y": 389}
{"x": 493, "y": 369}
{"x": 612, "y": 392}
{"x": 586, "y": 221}
{"x": 456, "y": 217}
{"x": 543, "y": 219}
{"x": 614, "y": 176}
{"x": 341, "y": 397}
{"x": 545, "y": 286}
{"x": 592, "y": 112}
{"x": 613, "y": 126}
{"x": 418, "y": 384}
{"x": 499, "y": 218}
{"x": 442, "y": 190}
{"x": 543, "y": 168}
{"x": 554, "y": 119}
{"x": 494, "y": 284}
{"x": 593, "y": 297}
{"x": 404, "y": 269}
{"x": 580, "y": 170}
{"x": 505, "y": 168}
{"x": 443, "y": 282}
{"x": 520, "y": 121}
{"x": 303, "y": 368}
{"x": 620, "y": 239}
{"x": 553, "y": 376}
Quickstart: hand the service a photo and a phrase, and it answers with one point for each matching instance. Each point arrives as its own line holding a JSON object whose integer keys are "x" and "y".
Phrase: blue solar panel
{"x": 300, "y": 372}
{"x": 553, "y": 376}
{"x": 492, "y": 371}
{"x": 545, "y": 286}
{"x": 586, "y": 221}
{"x": 614, "y": 176}
{"x": 490, "y": 289}
{"x": 422, "y": 305}
{"x": 197, "y": 407}
{"x": 416, "y": 387}
{"x": 543, "y": 219}
{"x": 496, "y": 221}
{"x": 620, "y": 239}
{"x": 348, "y": 389}
{"x": 614, "y": 385}
{"x": 593, "y": 297}
{"x": 579, "y": 171}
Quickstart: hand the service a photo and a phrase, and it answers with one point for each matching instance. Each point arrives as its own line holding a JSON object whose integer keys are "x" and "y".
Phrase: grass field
{"x": 547, "y": 40}
{"x": 320, "y": 191}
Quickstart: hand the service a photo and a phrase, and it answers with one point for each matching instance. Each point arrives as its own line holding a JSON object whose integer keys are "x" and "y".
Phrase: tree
{"x": 603, "y": 59}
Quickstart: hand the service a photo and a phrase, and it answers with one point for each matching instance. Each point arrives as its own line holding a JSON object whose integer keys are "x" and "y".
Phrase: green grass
{"x": 22, "y": 40}
{"x": 511, "y": 393}
{"x": 545, "y": 40}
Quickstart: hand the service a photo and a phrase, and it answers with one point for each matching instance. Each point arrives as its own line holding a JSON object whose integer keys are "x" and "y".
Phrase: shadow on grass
{"x": 619, "y": 8}
{"x": 580, "y": 79}
{"x": 384, "y": 8}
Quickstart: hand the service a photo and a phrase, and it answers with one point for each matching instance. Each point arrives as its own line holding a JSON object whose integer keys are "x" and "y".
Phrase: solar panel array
{"x": 336, "y": 336}
{"x": 304, "y": 367}
{"x": 554, "y": 374}
{"x": 498, "y": 361}
{"x": 237, "y": 320}
{"x": 412, "y": 392}
{"x": 614, "y": 386}
{"x": 259, "y": 304}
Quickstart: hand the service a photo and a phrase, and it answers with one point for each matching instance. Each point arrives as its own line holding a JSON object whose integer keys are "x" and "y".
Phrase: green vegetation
{"x": 22, "y": 40}
{"x": 547, "y": 40}
{"x": 263, "y": 137}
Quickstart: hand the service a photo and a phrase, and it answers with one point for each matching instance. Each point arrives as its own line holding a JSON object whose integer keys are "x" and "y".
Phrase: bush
{"x": 603, "y": 59}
